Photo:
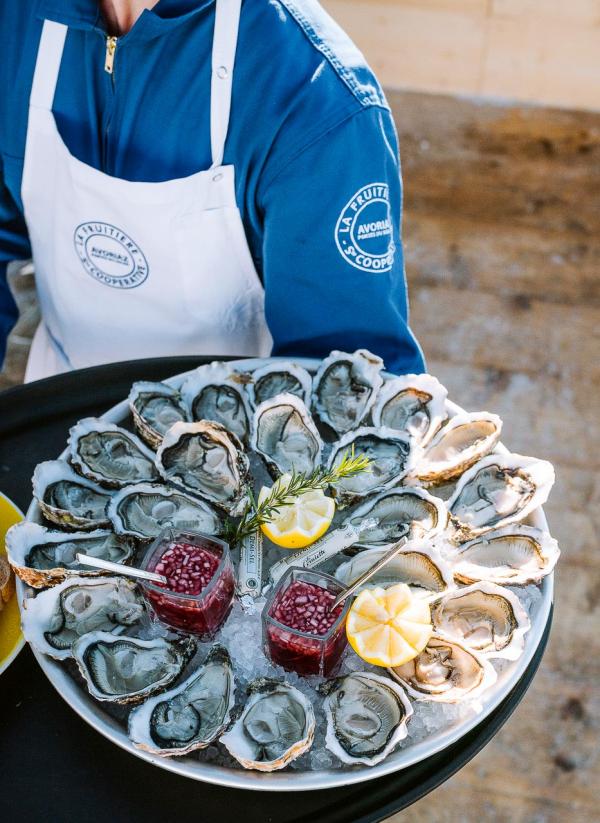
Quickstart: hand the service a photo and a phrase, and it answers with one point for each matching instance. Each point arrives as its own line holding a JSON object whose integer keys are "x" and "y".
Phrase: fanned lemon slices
{"x": 388, "y": 627}
{"x": 300, "y": 523}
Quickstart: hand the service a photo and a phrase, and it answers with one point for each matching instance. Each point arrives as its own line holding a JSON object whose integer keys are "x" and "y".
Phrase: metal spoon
{"x": 119, "y": 568}
{"x": 389, "y": 555}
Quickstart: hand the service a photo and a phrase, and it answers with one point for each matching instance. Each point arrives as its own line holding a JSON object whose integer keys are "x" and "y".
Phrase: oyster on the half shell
{"x": 345, "y": 387}
{"x": 42, "y": 557}
{"x": 413, "y": 403}
{"x": 122, "y": 669}
{"x": 367, "y": 717}
{"x": 279, "y": 377}
{"x": 392, "y": 458}
{"x": 190, "y": 715}
{"x": 109, "y": 455}
{"x": 54, "y": 619}
{"x": 464, "y": 440}
{"x": 145, "y": 509}
{"x": 483, "y": 617}
{"x": 216, "y": 392}
{"x": 511, "y": 556}
{"x": 498, "y": 490}
{"x": 407, "y": 513}
{"x": 205, "y": 459}
{"x": 446, "y": 672}
{"x": 285, "y": 436}
{"x": 276, "y": 726}
{"x": 68, "y": 499}
{"x": 155, "y": 408}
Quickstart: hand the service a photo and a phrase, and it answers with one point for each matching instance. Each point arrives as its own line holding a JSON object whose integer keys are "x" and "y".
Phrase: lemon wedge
{"x": 300, "y": 523}
{"x": 388, "y": 627}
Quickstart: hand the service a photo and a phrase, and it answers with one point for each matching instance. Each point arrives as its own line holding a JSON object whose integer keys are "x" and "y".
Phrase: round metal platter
{"x": 91, "y": 711}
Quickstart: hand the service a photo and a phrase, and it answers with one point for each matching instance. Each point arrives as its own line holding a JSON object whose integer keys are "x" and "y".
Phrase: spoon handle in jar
{"x": 119, "y": 568}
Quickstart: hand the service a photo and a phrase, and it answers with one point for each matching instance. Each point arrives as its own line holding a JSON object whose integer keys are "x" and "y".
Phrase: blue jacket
{"x": 311, "y": 138}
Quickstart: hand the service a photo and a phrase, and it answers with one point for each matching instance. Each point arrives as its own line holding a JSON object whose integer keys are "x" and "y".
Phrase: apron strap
{"x": 47, "y": 65}
{"x": 227, "y": 20}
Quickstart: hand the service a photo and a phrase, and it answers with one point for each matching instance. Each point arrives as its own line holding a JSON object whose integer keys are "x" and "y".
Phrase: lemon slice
{"x": 299, "y": 524}
{"x": 388, "y": 627}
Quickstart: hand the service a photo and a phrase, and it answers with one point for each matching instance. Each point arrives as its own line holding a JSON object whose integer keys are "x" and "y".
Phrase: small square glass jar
{"x": 201, "y": 614}
{"x": 300, "y": 651}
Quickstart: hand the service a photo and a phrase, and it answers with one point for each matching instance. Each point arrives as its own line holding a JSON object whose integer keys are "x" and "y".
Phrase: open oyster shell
{"x": 392, "y": 456}
{"x": 216, "y": 392}
{"x": 68, "y": 499}
{"x": 511, "y": 556}
{"x": 464, "y": 440}
{"x": 145, "y": 509}
{"x": 109, "y": 455}
{"x": 42, "y": 557}
{"x": 276, "y": 726}
{"x": 54, "y": 619}
{"x": 420, "y": 565}
{"x": 279, "y": 377}
{"x": 403, "y": 513}
{"x": 155, "y": 408}
{"x": 367, "y": 717}
{"x": 498, "y": 490}
{"x": 345, "y": 387}
{"x": 485, "y": 618}
{"x": 205, "y": 459}
{"x": 413, "y": 403}
{"x": 445, "y": 672}
{"x": 284, "y": 434}
{"x": 125, "y": 670}
{"x": 190, "y": 715}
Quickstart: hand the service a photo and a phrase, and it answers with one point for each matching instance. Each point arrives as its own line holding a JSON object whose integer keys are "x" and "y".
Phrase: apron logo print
{"x": 110, "y": 256}
{"x": 363, "y": 232}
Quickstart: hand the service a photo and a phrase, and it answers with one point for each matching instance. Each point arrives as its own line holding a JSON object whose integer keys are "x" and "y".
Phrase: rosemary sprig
{"x": 284, "y": 495}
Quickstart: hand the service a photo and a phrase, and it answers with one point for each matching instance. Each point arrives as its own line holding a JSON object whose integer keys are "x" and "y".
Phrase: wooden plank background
{"x": 502, "y": 240}
{"x": 545, "y": 51}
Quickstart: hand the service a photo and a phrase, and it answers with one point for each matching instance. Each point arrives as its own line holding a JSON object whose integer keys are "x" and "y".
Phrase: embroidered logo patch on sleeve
{"x": 363, "y": 232}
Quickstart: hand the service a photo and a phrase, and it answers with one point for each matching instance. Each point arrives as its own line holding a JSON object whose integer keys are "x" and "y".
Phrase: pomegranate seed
{"x": 305, "y": 608}
{"x": 188, "y": 569}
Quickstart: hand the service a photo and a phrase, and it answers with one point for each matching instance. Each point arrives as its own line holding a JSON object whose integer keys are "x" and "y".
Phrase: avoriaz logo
{"x": 110, "y": 256}
{"x": 364, "y": 233}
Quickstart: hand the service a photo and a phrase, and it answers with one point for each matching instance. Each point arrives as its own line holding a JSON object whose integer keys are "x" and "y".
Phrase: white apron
{"x": 127, "y": 270}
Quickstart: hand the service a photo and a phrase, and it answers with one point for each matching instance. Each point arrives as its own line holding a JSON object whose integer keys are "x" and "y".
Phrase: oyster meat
{"x": 483, "y": 617}
{"x": 155, "y": 407}
{"x": 189, "y": 716}
{"x": 285, "y": 435}
{"x": 367, "y": 717}
{"x": 280, "y": 377}
{"x": 216, "y": 392}
{"x": 68, "y": 499}
{"x": 413, "y": 403}
{"x": 127, "y": 669}
{"x": 206, "y": 459}
{"x": 391, "y": 455}
{"x": 54, "y": 619}
{"x": 498, "y": 490}
{"x": 109, "y": 455}
{"x": 446, "y": 672}
{"x": 345, "y": 388}
{"x": 145, "y": 509}
{"x": 276, "y": 726}
{"x": 406, "y": 513}
{"x": 42, "y": 557}
{"x": 419, "y": 565}
{"x": 511, "y": 556}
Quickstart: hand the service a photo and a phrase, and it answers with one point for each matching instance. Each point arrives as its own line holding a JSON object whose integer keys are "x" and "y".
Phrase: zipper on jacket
{"x": 109, "y": 58}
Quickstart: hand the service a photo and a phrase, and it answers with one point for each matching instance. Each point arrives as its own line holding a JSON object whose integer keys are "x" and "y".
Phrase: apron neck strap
{"x": 47, "y": 64}
{"x": 227, "y": 20}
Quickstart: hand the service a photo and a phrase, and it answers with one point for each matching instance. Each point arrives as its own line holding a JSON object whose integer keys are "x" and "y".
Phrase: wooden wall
{"x": 543, "y": 51}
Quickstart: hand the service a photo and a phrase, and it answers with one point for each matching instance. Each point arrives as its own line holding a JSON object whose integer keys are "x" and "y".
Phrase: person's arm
{"x": 333, "y": 265}
{"x": 14, "y": 245}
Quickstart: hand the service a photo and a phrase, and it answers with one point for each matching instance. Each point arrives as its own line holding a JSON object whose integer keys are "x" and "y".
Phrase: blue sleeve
{"x": 332, "y": 259}
{"x": 14, "y": 245}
